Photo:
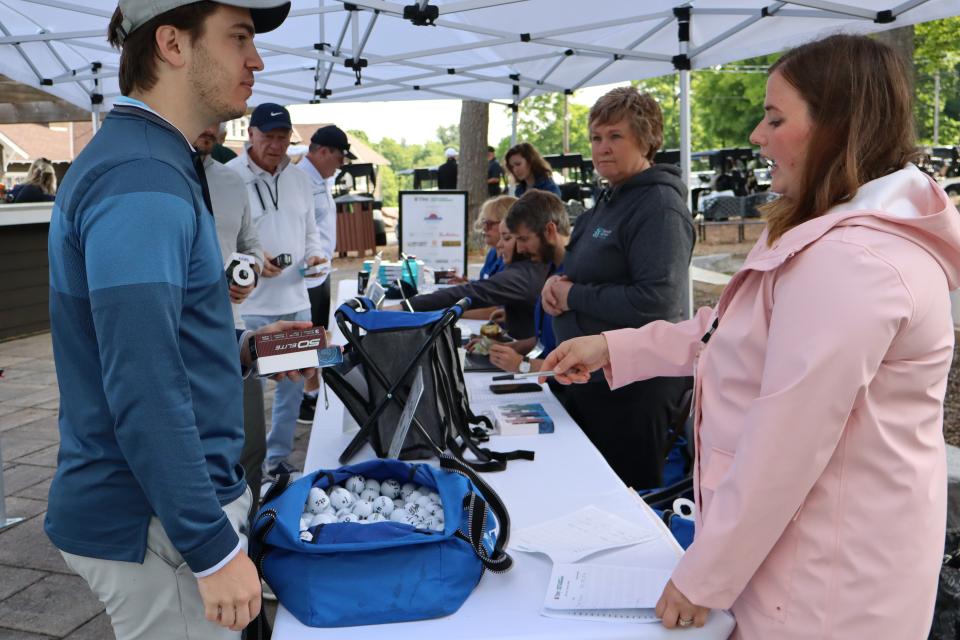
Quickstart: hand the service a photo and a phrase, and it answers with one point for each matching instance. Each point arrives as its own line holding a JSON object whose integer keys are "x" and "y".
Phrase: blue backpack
{"x": 361, "y": 574}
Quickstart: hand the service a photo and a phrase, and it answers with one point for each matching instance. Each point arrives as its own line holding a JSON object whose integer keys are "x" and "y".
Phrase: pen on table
{"x": 521, "y": 376}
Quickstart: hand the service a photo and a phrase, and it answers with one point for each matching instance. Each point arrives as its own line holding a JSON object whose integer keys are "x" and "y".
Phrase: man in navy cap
{"x": 282, "y": 208}
{"x": 149, "y": 503}
{"x": 329, "y": 148}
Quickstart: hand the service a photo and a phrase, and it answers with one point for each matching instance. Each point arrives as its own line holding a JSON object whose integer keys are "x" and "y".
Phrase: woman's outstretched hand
{"x": 574, "y": 360}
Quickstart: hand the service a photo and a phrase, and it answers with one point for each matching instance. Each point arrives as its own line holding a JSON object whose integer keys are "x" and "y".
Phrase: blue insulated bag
{"x": 362, "y": 574}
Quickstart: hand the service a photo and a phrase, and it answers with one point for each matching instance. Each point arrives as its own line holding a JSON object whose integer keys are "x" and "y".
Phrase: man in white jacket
{"x": 329, "y": 148}
{"x": 281, "y": 206}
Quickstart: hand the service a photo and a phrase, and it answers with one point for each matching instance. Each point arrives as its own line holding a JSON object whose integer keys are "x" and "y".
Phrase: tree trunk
{"x": 472, "y": 162}
{"x": 901, "y": 40}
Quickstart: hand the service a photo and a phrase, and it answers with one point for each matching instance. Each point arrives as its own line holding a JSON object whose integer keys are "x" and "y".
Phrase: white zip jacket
{"x": 281, "y": 206}
{"x": 324, "y": 212}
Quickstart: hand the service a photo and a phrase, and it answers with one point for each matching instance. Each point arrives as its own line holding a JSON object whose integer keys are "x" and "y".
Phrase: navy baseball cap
{"x": 334, "y": 137}
{"x": 267, "y": 15}
{"x": 269, "y": 116}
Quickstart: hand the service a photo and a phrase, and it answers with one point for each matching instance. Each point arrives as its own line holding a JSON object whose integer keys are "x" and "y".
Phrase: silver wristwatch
{"x": 524, "y": 365}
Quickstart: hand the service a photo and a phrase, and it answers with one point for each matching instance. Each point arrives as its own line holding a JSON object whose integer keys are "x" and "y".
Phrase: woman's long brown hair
{"x": 860, "y": 102}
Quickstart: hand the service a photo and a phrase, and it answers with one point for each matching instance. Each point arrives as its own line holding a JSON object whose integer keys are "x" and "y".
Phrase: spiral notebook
{"x": 604, "y": 592}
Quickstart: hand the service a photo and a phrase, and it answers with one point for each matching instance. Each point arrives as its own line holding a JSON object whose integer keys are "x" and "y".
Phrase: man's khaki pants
{"x": 158, "y": 599}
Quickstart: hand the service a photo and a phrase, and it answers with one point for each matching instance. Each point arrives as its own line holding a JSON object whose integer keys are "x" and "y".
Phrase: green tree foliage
{"x": 937, "y": 50}
{"x": 404, "y": 156}
{"x": 540, "y": 122}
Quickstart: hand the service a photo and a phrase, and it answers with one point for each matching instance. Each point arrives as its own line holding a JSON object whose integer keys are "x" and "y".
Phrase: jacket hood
{"x": 665, "y": 174}
{"x": 907, "y": 203}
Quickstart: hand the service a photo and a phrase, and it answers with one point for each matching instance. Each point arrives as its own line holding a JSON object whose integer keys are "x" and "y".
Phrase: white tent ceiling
{"x": 502, "y": 50}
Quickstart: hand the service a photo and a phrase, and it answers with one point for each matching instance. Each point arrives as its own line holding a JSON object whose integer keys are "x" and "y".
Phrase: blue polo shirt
{"x": 146, "y": 353}
{"x": 543, "y": 322}
{"x": 492, "y": 264}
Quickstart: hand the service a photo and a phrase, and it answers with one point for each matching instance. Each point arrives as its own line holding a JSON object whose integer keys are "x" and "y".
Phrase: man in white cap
{"x": 447, "y": 172}
{"x": 282, "y": 208}
{"x": 149, "y": 503}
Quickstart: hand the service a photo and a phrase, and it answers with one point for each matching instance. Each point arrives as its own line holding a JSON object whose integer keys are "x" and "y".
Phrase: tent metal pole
{"x": 566, "y": 123}
{"x": 515, "y": 107}
{"x": 936, "y": 107}
{"x": 683, "y": 64}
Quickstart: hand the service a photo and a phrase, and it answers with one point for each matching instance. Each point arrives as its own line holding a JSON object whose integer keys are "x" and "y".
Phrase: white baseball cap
{"x": 267, "y": 14}
{"x": 450, "y": 152}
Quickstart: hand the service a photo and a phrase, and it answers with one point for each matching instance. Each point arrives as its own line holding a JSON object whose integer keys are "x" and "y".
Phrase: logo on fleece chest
{"x": 600, "y": 233}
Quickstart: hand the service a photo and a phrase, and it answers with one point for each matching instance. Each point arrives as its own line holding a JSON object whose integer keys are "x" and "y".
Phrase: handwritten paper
{"x": 582, "y": 533}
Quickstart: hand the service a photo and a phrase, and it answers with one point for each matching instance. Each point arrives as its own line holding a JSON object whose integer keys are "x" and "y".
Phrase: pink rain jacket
{"x": 820, "y": 475}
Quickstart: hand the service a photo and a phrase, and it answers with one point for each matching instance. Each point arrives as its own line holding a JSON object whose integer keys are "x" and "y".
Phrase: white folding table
{"x": 567, "y": 474}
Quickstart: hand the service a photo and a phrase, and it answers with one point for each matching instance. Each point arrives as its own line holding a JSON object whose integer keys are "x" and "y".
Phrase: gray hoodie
{"x": 629, "y": 256}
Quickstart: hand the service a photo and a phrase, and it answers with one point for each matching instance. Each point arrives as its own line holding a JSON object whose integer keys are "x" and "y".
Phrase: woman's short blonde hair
{"x": 43, "y": 175}
{"x": 639, "y": 109}
{"x": 493, "y": 209}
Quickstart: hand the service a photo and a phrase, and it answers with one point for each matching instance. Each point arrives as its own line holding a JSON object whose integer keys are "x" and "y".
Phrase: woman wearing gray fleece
{"x": 627, "y": 264}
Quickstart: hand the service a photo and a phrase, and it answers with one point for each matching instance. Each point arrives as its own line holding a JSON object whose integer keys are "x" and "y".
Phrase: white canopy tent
{"x": 488, "y": 50}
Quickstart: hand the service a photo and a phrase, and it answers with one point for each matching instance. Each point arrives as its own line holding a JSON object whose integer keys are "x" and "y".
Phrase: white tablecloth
{"x": 567, "y": 474}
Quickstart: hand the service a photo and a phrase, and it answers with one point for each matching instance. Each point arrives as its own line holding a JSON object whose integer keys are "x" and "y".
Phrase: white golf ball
{"x": 317, "y": 500}
{"x": 434, "y": 496}
{"x": 399, "y": 516}
{"x": 436, "y": 524}
{"x": 322, "y": 518}
{"x": 407, "y": 489}
{"x": 372, "y": 484}
{"x": 434, "y": 509}
{"x": 424, "y": 501}
{"x": 348, "y": 517}
{"x": 414, "y": 495}
{"x": 398, "y": 503}
{"x": 306, "y": 536}
{"x": 390, "y": 488}
{"x": 383, "y": 505}
{"x": 362, "y": 509}
{"x": 375, "y": 517}
{"x": 304, "y": 523}
{"x": 412, "y": 508}
{"x": 355, "y": 484}
{"x": 343, "y": 511}
{"x": 369, "y": 495}
{"x": 341, "y": 498}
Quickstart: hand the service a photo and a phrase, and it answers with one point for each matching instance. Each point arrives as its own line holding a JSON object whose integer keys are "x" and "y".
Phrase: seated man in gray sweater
{"x": 516, "y": 289}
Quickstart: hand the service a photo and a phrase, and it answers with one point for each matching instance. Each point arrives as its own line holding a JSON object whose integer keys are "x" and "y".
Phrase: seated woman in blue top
{"x": 40, "y": 186}
{"x": 529, "y": 170}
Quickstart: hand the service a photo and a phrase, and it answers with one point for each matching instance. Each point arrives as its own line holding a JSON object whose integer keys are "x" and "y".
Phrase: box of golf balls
{"x": 522, "y": 419}
{"x": 380, "y": 541}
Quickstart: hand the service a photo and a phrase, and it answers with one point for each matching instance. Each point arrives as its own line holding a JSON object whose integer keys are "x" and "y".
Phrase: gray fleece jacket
{"x": 516, "y": 289}
{"x": 629, "y": 256}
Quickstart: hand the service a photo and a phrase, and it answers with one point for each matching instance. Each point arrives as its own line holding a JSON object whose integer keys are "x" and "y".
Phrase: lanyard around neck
{"x": 275, "y": 199}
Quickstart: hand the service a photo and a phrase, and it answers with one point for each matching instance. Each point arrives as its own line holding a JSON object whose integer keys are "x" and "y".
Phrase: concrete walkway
{"x": 40, "y": 598}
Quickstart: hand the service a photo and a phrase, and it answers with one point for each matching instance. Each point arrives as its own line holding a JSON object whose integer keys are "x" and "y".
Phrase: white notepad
{"x": 604, "y": 592}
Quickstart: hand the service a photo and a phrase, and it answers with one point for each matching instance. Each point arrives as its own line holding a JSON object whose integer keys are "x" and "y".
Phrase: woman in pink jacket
{"x": 820, "y": 475}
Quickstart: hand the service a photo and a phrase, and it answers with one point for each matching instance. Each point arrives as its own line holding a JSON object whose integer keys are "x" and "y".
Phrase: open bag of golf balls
{"x": 379, "y": 541}
{"x": 368, "y": 501}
